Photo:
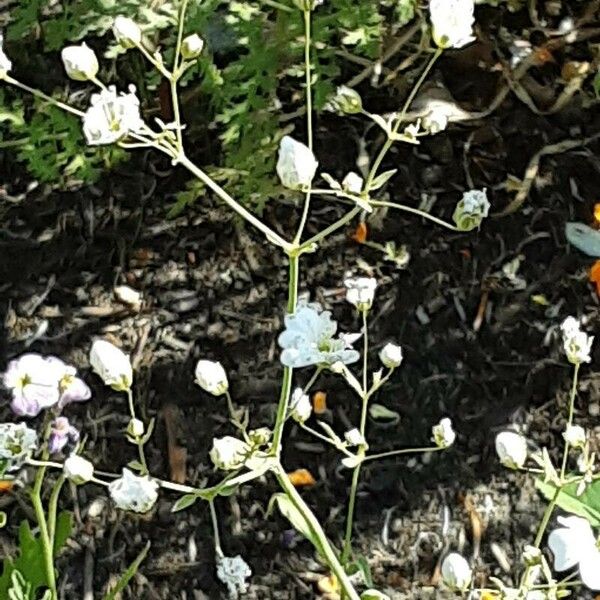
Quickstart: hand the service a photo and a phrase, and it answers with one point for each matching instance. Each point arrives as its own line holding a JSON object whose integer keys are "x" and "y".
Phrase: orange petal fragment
{"x": 595, "y": 275}
{"x": 302, "y": 478}
{"x": 360, "y": 233}
{"x": 319, "y": 402}
{"x": 597, "y": 213}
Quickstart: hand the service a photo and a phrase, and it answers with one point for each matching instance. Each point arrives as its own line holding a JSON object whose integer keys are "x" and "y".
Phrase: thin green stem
{"x": 174, "y": 78}
{"x": 325, "y": 439}
{"x": 157, "y": 65}
{"x": 415, "y": 211}
{"x": 401, "y": 451}
{"x": 572, "y": 397}
{"x": 312, "y": 380}
{"x": 139, "y": 441}
{"x": 333, "y": 227}
{"x": 365, "y": 370}
{"x": 347, "y": 548}
{"x": 53, "y": 508}
{"x": 215, "y": 526}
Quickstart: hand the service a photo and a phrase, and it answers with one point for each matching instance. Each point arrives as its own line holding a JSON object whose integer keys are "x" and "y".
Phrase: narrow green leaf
{"x": 587, "y": 505}
{"x": 64, "y": 526}
{"x": 185, "y": 502}
{"x": 128, "y": 574}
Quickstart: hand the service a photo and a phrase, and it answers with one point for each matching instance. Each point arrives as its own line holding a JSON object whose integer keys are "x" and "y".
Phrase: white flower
{"x": 443, "y": 434}
{"x": 391, "y": 355}
{"x": 360, "y": 291}
{"x": 354, "y": 437}
{"x": 511, "y": 449}
{"x": 452, "y": 22}
{"x": 17, "y": 442}
{"x": 229, "y": 453}
{"x": 308, "y": 339}
{"x": 471, "y": 210}
{"x": 574, "y": 544}
{"x": 132, "y": 492}
{"x": 577, "y": 344}
{"x": 77, "y": 469}
{"x": 112, "y": 365}
{"x": 296, "y": 164}
{"x": 191, "y": 47}
{"x": 574, "y": 435}
{"x": 352, "y": 183}
{"x": 300, "y": 406}
{"x": 111, "y": 116}
{"x": 127, "y": 32}
{"x": 233, "y": 572}
{"x": 211, "y": 377}
{"x": 135, "y": 428}
{"x": 456, "y": 572}
{"x": 5, "y": 62}
{"x": 346, "y": 101}
{"x": 80, "y": 62}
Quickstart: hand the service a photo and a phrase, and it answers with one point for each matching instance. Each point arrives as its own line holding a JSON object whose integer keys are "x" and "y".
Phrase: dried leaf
{"x": 301, "y": 478}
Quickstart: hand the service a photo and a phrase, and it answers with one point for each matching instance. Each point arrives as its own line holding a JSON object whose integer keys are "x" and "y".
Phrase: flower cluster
{"x": 133, "y": 492}
{"x": 471, "y": 210}
{"x": 577, "y": 344}
{"x": 17, "y": 442}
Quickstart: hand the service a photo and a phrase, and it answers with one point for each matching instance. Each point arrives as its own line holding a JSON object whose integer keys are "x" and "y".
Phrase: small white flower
{"x": 443, "y": 434}
{"x": 111, "y": 116}
{"x": 127, "y": 32}
{"x": 132, "y": 492}
{"x": 360, "y": 291}
{"x": 80, "y": 62}
{"x": 191, "y": 47}
{"x": 452, "y": 22}
{"x": 211, "y": 377}
{"x": 296, "y": 165}
{"x": 456, "y": 572}
{"x": 352, "y": 183}
{"x": 300, "y": 406}
{"x": 391, "y": 355}
{"x": 5, "y": 62}
{"x": 354, "y": 437}
{"x": 511, "y": 449}
{"x": 229, "y": 453}
{"x": 346, "y": 101}
{"x": 17, "y": 442}
{"x": 308, "y": 339}
{"x": 135, "y": 428}
{"x": 78, "y": 470}
{"x": 112, "y": 365}
{"x": 471, "y": 210}
{"x": 577, "y": 344}
{"x": 574, "y": 544}
{"x": 233, "y": 572}
{"x": 574, "y": 435}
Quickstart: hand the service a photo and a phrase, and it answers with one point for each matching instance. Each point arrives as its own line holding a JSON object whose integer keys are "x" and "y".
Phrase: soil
{"x": 216, "y": 290}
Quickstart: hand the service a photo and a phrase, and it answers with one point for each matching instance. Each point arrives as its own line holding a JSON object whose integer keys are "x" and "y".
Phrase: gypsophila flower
{"x": 577, "y": 344}
{"x": 471, "y": 210}
{"x": 456, "y": 572}
{"x": 17, "y": 442}
{"x": 575, "y": 544}
{"x": 229, "y": 453}
{"x": 452, "y": 22}
{"x": 211, "y": 377}
{"x": 308, "y": 339}
{"x": 133, "y": 492}
{"x": 127, "y": 32}
{"x": 192, "y": 46}
{"x": 346, "y": 101}
{"x": 296, "y": 164}
{"x": 112, "y": 116}
{"x": 391, "y": 356}
{"x": 61, "y": 434}
{"x": 300, "y": 406}
{"x": 80, "y": 62}
{"x": 135, "y": 428}
{"x": 574, "y": 435}
{"x": 360, "y": 291}
{"x": 352, "y": 183}
{"x": 112, "y": 365}
{"x": 511, "y": 449}
{"x": 443, "y": 434}
{"x": 5, "y": 62}
{"x": 233, "y": 572}
{"x": 354, "y": 437}
{"x": 78, "y": 470}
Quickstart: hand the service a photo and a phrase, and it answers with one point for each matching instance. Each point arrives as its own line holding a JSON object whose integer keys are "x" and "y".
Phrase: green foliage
{"x": 587, "y": 505}
{"x": 128, "y": 574}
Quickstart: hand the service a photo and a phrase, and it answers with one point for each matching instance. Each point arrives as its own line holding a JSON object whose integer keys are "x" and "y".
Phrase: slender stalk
{"x": 572, "y": 397}
{"x": 155, "y": 63}
{"x": 333, "y": 227}
{"x": 53, "y": 508}
{"x": 174, "y": 78}
{"x": 325, "y": 439}
{"x": 365, "y": 371}
{"x": 415, "y": 211}
{"x": 215, "y": 526}
{"x": 139, "y": 441}
{"x": 401, "y": 451}
{"x": 347, "y": 548}
{"x": 312, "y": 380}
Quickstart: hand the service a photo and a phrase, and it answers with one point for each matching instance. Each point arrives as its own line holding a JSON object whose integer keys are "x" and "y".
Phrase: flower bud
{"x": 211, "y": 377}
{"x": 346, "y": 100}
{"x": 577, "y": 344}
{"x": 471, "y": 210}
{"x": 78, "y": 470}
{"x": 574, "y": 435}
{"x": 511, "y": 449}
{"x": 352, "y": 183}
{"x": 135, "y": 428}
{"x": 354, "y": 437}
{"x": 229, "y": 453}
{"x": 127, "y": 32}
{"x": 360, "y": 291}
{"x": 112, "y": 365}
{"x": 191, "y": 47}
{"x": 443, "y": 434}
{"x": 300, "y": 406}
{"x": 80, "y": 62}
{"x": 391, "y": 355}
{"x": 456, "y": 572}
{"x": 296, "y": 164}
{"x": 261, "y": 436}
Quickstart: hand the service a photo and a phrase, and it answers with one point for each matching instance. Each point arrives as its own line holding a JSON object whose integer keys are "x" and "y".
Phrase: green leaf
{"x": 382, "y": 179}
{"x": 64, "y": 527}
{"x": 383, "y": 415}
{"x": 362, "y": 565}
{"x": 587, "y": 505}
{"x": 185, "y": 502}
{"x": 128, "y": 574}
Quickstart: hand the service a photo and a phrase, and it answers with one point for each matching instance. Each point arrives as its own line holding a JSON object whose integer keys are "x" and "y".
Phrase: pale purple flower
{"x": 72, "y": 388}
{"x": 61, "y": 434}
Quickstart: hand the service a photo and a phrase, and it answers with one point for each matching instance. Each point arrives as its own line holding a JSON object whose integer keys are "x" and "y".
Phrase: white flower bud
{"x": 77, "y": 469}
{"x": 135, "y": 428}
{"x": 452, "y": 22}
{"x": 229, "y": 453}
{"x": 511, "y": 449}
{"x": 352, "y": 183}
{"x": 80, "y": 62}
{"x": 191, "y": 47}
{"x": 443, "y": 434}
{"x": 360, "y": 291}
{"x": 132, "y": 492}
{"x": 300, "y": 406}
{"x": 354, "y": 437}
{"x": 346, "y": 101}
{"x": 296, "y": 164}
{"x": 5, "y": 62}
{"x": 577, "y": 344}
{"x": 456, "y": 572}
{"x": 574, "y": 435}
{"x": 112, "y": 365}
{"x": 391, "y": 355}
{"x": 211, "y": 377}
{"x": 127, "y": 32}
{"x": 471, "y": 210}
